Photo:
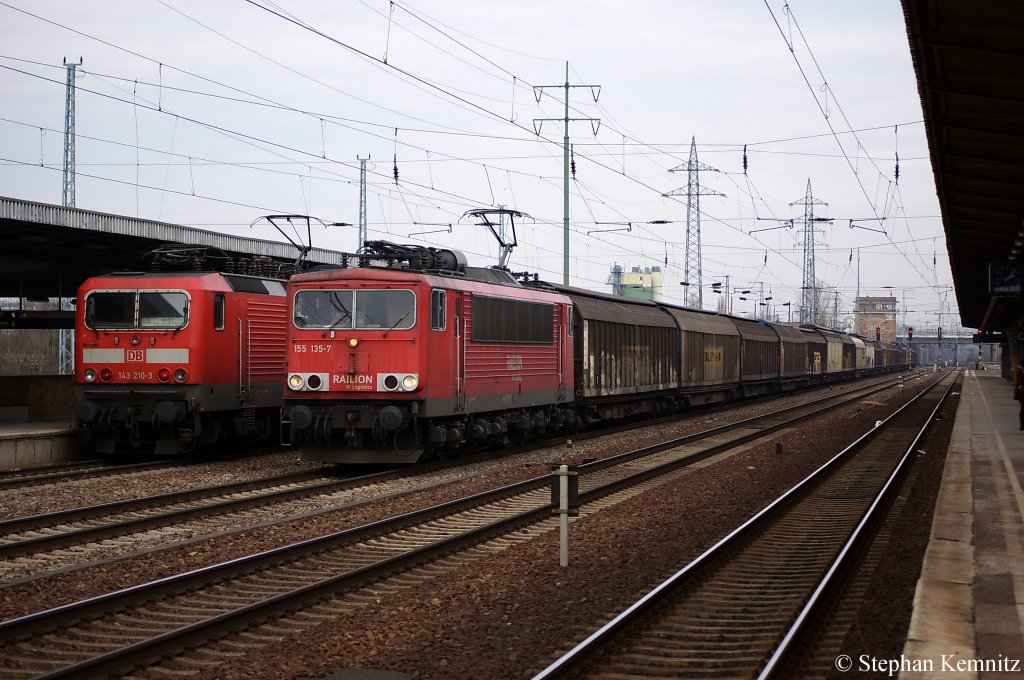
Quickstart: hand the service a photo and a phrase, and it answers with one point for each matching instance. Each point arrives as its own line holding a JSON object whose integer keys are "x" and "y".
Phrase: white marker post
{"x": 566, "y": 499}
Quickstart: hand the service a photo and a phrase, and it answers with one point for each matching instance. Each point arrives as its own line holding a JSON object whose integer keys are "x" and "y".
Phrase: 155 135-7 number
{"x": 313, "y": 348}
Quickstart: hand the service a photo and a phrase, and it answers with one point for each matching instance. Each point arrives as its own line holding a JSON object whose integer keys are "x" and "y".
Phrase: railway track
{"x": 204, "y": 511}
{"x": 104, "y": 467}
{"x": 31, "y": 546}
{"x": 25, "y": 535}
{"x": 143, "y": 624}
{"x": 743, "y": 608}
{"x": 86, "y": 469}
{"x": 101, "y": 467}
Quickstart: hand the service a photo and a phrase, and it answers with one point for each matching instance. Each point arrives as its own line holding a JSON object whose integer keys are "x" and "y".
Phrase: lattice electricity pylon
{"x": 809, "y": 300}
{"x": 692, "y": 270}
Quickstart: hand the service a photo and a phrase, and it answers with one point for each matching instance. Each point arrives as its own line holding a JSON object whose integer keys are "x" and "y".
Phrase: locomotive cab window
{"x": 110, "y": 310}
{"x": 387, "y": 309}
{"x": 355, "y": 309}
{"x": 126, "y": 310}
{"x": 218, "y": 312}
{"x": 323, "y": 309}
{"x": 163, "y": 310}
{"x": 438, "y": 310}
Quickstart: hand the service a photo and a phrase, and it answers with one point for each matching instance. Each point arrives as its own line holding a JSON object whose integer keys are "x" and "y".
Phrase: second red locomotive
{"x": 387, "y": 362}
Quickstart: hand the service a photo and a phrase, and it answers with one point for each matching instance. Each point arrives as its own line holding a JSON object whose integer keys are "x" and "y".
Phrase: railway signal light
{"x": 910, "y": 334}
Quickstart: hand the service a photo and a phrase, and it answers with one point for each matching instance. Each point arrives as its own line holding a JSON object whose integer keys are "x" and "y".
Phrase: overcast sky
{"x": 212, "y": 114}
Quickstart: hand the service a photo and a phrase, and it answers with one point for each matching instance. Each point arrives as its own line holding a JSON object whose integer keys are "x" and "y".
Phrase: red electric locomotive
{"x": 168, "y": 361}
{"x": 412, "y": 352}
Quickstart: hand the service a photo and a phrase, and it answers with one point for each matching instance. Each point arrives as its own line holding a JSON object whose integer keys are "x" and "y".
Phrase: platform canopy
{"x": 48, "y": 250}
{"x": 969, "y": 60}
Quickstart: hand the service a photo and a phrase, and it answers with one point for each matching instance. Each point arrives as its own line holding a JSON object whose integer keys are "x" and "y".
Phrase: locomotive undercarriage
{"x": 164, "y": 421}
{"x": 399, "y": 433}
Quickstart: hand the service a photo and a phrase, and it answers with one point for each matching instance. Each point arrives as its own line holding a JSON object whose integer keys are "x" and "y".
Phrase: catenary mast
{"x": 538, "y": 91}
{"x": 66, "y": 338}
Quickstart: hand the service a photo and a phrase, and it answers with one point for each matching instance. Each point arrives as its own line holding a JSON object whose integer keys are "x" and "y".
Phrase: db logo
{"x": 138, "y": 355}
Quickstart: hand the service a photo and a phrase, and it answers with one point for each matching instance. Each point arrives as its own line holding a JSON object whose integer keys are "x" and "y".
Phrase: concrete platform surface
{"x": 968, "y": 620}
{"x": 36, "y": 444}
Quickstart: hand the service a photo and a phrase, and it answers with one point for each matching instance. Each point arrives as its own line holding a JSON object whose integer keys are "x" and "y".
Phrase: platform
{"x": 36, "y": 444}
{"x": 35, "y": 421}
{"x": 968, "y": 619}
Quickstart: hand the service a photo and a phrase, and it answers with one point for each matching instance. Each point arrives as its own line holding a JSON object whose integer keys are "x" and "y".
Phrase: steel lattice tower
{"x": 809, "y": 300}
{"x": 362, "y": 201}
{"x": 68, "y": 195}
{"x": 66, "y": 338}
{"x": 692, "y": 271}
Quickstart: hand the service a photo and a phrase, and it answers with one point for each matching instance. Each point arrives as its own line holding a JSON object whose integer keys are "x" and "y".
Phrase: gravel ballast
{"x": 508, "y": 615}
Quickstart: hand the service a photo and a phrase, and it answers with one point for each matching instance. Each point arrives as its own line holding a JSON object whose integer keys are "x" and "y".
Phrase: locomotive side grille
{"x": 489, "y": 360}
{"x": 267, "y": 338}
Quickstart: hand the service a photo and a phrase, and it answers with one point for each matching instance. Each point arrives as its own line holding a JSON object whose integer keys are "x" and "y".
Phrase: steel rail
{"x": 119, "y": 528}
{"x": 592, "y": 645}
{"x": 146, "y": 651}
{"x": 49, "y": 519}
{"x": 56, "y": 616}
{"x": 847, "y": 553}
{"x": 86, "y": 470}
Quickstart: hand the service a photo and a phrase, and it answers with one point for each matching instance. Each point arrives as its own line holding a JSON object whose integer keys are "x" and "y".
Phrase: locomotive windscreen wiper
{"x": 340, "y": 306}
{"x": 395, "y": 324}
{"x": 184, "y": 319}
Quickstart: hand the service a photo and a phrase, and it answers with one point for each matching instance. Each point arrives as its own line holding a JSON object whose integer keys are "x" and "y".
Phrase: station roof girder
{"x": 49, "y": 250}
{"x": 969, "y": 57}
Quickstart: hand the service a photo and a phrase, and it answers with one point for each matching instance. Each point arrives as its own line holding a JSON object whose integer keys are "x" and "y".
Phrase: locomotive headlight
{"x": 90, "y": 375}
{"x": 391, "y": 382}
{"x": 296, "y": 382}
{"x": 353, "y": 342}
{"x": 410, "y": 382}
{"x": 106, "y": 375}
{"x": 164, "y": 374}
{"x": 180, "y": 375}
